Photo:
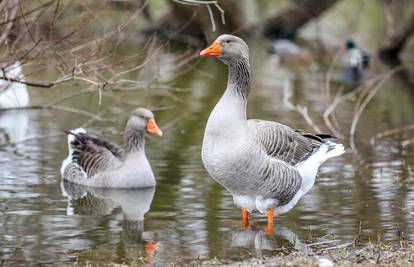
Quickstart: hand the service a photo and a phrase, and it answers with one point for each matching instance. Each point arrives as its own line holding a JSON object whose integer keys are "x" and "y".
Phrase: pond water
{"x": 367, "y": 192}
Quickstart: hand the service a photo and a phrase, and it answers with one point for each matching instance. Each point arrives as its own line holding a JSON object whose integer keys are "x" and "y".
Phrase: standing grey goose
{"x": 95, "y": 162}
{"x": 265, "y": 165}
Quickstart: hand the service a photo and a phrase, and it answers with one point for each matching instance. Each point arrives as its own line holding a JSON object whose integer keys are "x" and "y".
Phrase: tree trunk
{"x": 295, "y": 16}
{"x": 395, "y": 42}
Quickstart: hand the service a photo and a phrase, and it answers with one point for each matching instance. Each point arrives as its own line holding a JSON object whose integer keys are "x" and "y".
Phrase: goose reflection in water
{"x": 255, "y": 238}
{"x": 13, "y": 123}
{"x": 14, "y": 126}
{"x": 102, "y": 201}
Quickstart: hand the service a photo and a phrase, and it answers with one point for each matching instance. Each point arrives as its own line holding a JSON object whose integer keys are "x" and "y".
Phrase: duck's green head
{"x": 350, "y": 44}
{"x": 289, "y": 36}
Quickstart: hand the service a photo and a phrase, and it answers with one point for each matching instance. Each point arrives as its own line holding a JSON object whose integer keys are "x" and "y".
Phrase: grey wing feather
{"x": 281, "y": 181}
{"x": 284, "y": 143}
{"x": 287, "y": 147}
{"x": 113, "y": 148}
{"x": 73, "y": 172}
{"x": 94, "y": 155}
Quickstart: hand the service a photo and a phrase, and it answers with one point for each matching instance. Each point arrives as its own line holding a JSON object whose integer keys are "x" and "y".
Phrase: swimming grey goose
{"x": 265, "y": 165}
{"x": 95, "y": 162}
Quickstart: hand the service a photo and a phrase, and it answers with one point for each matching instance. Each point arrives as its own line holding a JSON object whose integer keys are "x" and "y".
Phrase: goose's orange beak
{"x": 214, "y": 50}
{"x": 152, "y": 128}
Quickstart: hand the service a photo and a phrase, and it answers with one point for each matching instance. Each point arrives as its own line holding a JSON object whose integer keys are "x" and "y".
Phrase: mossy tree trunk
{"x": 395, "y": 41}
{"x": 295, "y": 16}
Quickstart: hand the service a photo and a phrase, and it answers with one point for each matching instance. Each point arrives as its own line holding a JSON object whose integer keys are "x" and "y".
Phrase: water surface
{"x": 188, "y": 216}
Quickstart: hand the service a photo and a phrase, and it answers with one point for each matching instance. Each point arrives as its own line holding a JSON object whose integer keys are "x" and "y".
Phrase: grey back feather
{"x": 94, "y": 155}
{"x": 286, "y": 144}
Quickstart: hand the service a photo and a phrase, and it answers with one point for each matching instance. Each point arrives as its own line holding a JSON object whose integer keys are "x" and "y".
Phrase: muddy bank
{"x": 401, "y": 254}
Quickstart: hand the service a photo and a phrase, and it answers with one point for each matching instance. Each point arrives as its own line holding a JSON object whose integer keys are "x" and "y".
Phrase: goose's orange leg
{"x": 245, "y": 221}
{"x": 149, "y": 250}
{"x": 269, "y": 229}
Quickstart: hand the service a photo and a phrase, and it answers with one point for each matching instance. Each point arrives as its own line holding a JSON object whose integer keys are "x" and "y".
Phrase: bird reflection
{"x": 13, "y": 94}
{"x": 102, "y": 201}
{"x": 13, "y": 126}
{"x": 13, "y": 123}
{"x": 257, "y": 239}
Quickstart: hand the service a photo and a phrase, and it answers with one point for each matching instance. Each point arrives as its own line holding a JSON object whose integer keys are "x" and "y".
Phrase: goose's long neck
{"x": 232, "y": 106}
{"x": 239, "y": 77}
{"x": 134, "y": 141}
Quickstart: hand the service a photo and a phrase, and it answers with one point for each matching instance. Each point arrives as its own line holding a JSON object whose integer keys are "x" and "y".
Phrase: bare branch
{"x": 41, "y": 7}
{"x": 302, "y": 110}
{"x": 11, "y": 17}
{"x": 360, "y": 108}
{"x": 39, "y": 83}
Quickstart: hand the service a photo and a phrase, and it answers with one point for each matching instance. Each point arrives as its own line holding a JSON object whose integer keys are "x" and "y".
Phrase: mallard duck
{"x": 356, "y": 61}
{"x": 289, "y": 51}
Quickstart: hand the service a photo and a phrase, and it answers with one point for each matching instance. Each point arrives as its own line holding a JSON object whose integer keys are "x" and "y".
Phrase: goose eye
{"x": 226, "y": 41}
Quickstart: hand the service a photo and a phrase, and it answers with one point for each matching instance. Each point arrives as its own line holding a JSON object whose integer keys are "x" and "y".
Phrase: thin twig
{"x": 287, "y": 93}
{"x": 40, "y": 84}
{"x": 213, "y": 23}
{"x": 11, "y": 17}
{"x": 395, "y": 131}
{"x": 364, "y": 103}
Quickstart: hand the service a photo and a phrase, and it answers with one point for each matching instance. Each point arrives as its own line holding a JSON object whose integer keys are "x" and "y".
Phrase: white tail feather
{"x": 336, "y": 151}
{"x": 71, "y": 138}
{"x": 309, "y": 168}
{"x": 68, "y": 159}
